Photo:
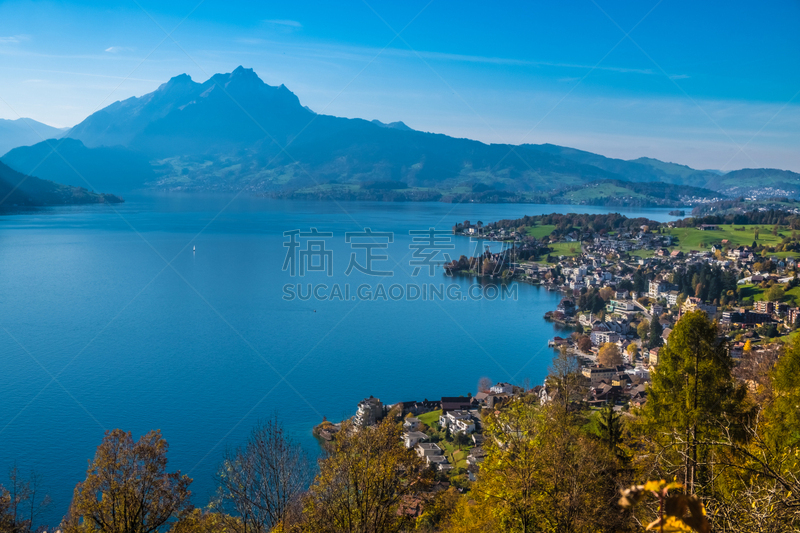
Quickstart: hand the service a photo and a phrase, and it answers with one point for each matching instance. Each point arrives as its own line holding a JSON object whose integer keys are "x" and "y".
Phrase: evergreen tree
{"x": 692, "y": 395}
{"x": 654, "y": 339}
{"x": 610, "y": 424}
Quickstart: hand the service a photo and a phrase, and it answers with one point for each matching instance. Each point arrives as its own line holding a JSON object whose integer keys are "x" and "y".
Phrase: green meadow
{"x": 696, "y": 239}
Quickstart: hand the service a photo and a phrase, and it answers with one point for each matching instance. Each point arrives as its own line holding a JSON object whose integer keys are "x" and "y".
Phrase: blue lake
{"x": 110, "y": 319}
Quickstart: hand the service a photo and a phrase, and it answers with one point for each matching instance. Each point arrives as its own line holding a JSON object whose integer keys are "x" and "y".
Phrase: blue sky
{"x": 708, "y": 84}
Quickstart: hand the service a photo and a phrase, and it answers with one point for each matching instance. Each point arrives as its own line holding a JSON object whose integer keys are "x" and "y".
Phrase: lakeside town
{"x": 623, "y": 292}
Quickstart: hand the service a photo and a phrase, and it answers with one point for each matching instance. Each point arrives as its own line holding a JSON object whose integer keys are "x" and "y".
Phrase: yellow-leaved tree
{"x": 362, "y": 480}
{"x": 541, "y": 473}
{"x": 128, "y": 489}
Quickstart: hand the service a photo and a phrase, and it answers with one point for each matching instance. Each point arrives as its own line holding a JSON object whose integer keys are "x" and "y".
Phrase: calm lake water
{"x": 110, "y": 320}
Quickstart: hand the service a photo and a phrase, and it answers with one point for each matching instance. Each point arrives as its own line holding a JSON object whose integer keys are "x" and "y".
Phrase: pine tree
{"x": 693, "y": 394}
{"x": 610, "y": 427}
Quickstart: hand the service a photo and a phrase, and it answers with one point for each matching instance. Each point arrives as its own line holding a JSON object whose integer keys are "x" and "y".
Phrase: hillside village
{"x": 618, "y": 310}
{"x": 616, "y": 282}
{"x": 446, "y": 433}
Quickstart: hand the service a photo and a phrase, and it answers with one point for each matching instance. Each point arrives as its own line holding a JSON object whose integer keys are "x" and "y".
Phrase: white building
{"x": 425, "y": 449}
{"x": 464, "y": 426}
{"x": 502, "y": 388}
{"x": 412, "y": 438}
{"x": 411, "y": 423}
{"x": 457, "y": 421}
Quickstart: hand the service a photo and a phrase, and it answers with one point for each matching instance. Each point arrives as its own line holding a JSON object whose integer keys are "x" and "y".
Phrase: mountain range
{"x": 18, "y": 192}
{"x": 234, "y": 131}
{"x": 24, "y": 132}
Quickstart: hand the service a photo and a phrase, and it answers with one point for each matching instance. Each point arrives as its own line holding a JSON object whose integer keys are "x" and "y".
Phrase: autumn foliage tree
{"x": 609, "y": 355}
{"x": 541, "y": 473}
{"x": 361, "y": 481}
{"x": 643, "y": 330}
{"x": 208, "y": 521}
{"x": 585, "y": 344}
{"x": 128, "y": 489}
{"x": 632, "y": 350}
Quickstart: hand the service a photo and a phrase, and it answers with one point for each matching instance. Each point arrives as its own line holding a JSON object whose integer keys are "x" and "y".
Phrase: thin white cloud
{"x": 13, "y": 39}
{"x": 522, "y": 62}
{"x": 118, "y": 49}
{"x": 679, "y": 77}
{"x": 284, "y": 22}
{"x": 338, "y": 52}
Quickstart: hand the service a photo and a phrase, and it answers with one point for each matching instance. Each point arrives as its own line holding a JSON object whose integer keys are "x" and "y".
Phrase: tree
{"x": 783, "y": 415}
{"x": 643, "y": 330}
{"x": 199, "y": 521}
{"x": 566, "y": 378}
{"x": 542, "y": 473}
{"x": 609, "y": 355}
{"x": 484, "y": 384}
{"x": 774, "y": 293}
{"x": 361, "y": 481}
{"x": 585, "y": 344}
{"x": 610, "y": 425}
{"x": 261, "y": 483}
{"x": 127, "y": 488}
{"x": 654, "y": 337}
{"x": 606, "y": 293}
{"x": 760, "y": 489}
{"x": 632, "y": 350}
{"x": 438, "y": 509}
{"x": 21, "y": 502}
{"x": 691, "y": 395}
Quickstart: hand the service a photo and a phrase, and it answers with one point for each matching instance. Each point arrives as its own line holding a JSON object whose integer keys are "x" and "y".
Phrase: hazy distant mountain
{"x": 20, "y": 191}
{"x": 642, "y": 169}
{"x": 106, "y": 168}
{"x": 394, "y": 125}
{"x": 25, "y": 131}
{"x": 761, "y": 181}
{"x": 230, "y": 133}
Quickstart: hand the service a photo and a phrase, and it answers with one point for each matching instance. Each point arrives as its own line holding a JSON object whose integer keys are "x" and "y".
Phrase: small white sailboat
{"x": 194, "y": 249}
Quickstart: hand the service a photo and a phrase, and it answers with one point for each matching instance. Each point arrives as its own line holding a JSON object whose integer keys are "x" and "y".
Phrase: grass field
{"x": 540, "y": 230}
{"x": 456, "y": 458}
{"x": 430, "y": 418}
{"x": 695, "y": 239}
{"x": 791, "y": 297}
{"x": 565, "y": 248}
{"x": 642, "y": 253}
{"x": 790, "y": 338}
{"x": 751, "y": 291}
